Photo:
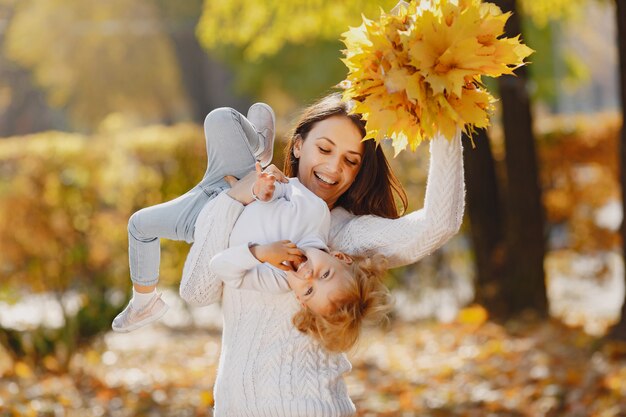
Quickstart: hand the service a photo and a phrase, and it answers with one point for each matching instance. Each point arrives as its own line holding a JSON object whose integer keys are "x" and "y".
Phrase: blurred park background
{"x": 101, "y": 105}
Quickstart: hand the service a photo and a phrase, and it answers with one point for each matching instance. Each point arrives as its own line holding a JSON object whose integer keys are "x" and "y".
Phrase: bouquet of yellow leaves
{"x": 418, "y": 72}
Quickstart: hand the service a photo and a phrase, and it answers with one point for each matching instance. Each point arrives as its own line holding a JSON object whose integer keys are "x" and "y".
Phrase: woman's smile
{"x": 325, "y": 180}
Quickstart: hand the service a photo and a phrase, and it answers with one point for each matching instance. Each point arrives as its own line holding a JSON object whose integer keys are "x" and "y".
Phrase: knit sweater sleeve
{"x": 407, "y": 239}
{"x": 199, "y": 285}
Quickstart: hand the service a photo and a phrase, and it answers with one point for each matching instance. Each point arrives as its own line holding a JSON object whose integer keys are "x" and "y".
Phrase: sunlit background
{"x": 101, "y": 106}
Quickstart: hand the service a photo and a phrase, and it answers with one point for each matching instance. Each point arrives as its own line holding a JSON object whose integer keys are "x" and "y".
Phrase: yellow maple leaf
{"x": 414, "y": 74}
{"x": 475, "y": 314}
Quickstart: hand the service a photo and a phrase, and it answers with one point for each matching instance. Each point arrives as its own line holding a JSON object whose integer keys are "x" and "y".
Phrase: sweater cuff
{"x": 246, "y": 258}
{"x": 442, "y": 145}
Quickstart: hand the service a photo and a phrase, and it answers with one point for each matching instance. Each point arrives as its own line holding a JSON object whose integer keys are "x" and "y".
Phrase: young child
{"x": 230, "y": 152}
{"x": 337, "y": 292}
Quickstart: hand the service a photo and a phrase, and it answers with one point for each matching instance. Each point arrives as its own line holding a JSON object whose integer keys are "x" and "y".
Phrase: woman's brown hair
{"x": 375, "y": 186}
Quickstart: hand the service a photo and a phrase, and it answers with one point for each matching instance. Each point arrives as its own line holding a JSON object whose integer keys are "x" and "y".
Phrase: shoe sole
{"x": 142, "y": 323}
{"x": 268, "y": 153}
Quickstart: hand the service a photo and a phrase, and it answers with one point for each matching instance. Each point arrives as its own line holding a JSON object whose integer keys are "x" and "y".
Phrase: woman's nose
{"x": 336, "y": 166}
{"x": 333, "y": 164}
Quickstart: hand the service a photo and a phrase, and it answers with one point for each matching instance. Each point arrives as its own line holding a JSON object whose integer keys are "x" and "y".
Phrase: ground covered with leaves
{"x": 411, "y": 369}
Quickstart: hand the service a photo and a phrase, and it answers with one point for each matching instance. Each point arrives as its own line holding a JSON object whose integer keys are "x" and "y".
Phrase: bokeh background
{"x": 101, "y": 106}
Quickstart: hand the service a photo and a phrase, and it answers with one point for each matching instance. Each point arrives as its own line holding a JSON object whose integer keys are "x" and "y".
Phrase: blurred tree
{"x": 619, "y": 330}
{"x": 207, "y": 82}
{"x": 94, "y": 59}
{"x": 263, "y": 28}
{"x": 263, "y": 42}
{"x": 543, "y": 12}
{"x": 64, "y": 208}
{"x": 510, "y": 261}
{"x": 23, "y": 107}
{"x": 524, "y": 281}
{"x": 486, "y": 226}
{"x": 541, "y": 23}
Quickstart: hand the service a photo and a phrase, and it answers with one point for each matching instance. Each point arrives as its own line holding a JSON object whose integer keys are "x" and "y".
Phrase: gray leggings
{"x": 231, "y": 141}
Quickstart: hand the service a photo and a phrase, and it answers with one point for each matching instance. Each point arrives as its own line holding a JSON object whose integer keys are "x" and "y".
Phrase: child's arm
{"x": 243, "y": 266}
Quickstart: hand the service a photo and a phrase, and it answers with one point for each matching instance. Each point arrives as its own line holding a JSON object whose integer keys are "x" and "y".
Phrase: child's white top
{"x": 267, "y": 367}
{"x": 294, "y": 213}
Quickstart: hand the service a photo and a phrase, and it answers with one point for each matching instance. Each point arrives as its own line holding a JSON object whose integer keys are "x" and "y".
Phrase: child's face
{"x": 320, "y": 279}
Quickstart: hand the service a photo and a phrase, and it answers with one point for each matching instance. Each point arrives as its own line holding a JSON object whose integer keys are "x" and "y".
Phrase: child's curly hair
{"x": 365, "y": 299}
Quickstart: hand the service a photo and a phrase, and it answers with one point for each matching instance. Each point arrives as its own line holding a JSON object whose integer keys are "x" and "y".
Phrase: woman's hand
{"x": 281, "y": 254}
{"x": 241, "y": 190}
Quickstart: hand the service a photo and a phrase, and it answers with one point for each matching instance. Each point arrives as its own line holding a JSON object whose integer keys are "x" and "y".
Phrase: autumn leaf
{"x": 418, "y": 73}
{"x": 473, "y": 315}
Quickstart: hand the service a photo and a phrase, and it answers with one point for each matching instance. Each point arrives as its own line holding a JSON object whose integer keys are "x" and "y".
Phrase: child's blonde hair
{"x": 365, "y": 299}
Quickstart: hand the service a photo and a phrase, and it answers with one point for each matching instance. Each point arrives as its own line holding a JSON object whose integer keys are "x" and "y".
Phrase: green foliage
{"x": 97, "y": 58}
{"x": 553, "y": 68}
{"x": 65, "y": 201}
{"x": 293, "y": 46}
{"x": 181, "y": 11}
{"x": 544, "y": 11}
{"x": 263, "y": 28}
{"x": 303, "y": 76}
{"x": 290, "y": 46}
{"x": 541, "y": 69}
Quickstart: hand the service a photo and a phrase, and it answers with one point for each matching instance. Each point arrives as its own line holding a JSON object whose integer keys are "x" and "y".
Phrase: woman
{"x": 267, "y": 367}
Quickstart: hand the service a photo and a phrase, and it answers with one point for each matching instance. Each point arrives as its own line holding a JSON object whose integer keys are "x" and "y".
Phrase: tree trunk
{"x": 619, "y": 330}
{"x": 524, "y": 284}
{"x": 28, "y": 111}
{"x": 208, "y": 83}
{"x": 484, "y": 210}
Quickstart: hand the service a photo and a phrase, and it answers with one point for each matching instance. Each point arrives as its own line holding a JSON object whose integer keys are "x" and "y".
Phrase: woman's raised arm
{"x": 411, "y": 237}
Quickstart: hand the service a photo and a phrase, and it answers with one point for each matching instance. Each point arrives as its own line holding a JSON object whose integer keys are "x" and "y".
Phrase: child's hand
{"x": 263, "y": 188}
{"x": 241, "y": 190}
{"x": 280, "y": 254}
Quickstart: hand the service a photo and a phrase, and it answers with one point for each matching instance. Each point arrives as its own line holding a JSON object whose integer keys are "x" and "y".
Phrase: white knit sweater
{"x": 267, "y": 367}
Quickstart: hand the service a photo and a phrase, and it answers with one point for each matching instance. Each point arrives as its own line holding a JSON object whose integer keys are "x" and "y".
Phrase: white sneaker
{"x": 131, "y": 319}
{"x": 262, "y": 117}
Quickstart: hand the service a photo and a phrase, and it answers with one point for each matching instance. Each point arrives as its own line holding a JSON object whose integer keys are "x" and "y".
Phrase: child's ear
{"x": 342, "y": 257}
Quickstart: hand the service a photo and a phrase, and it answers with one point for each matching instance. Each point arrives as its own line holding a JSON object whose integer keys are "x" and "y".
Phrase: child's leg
{"x": 173, "y": 220}
{"x": 234, "y": 144}
{"x": 231, "y": 141}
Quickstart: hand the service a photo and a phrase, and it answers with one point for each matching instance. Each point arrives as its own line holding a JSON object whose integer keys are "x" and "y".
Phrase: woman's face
{"x": 330, "y": 157}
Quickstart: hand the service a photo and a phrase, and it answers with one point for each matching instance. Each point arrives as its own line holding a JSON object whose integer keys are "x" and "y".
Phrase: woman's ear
{"x": 297, "y": 146}
{"x": 342, "y": 257}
